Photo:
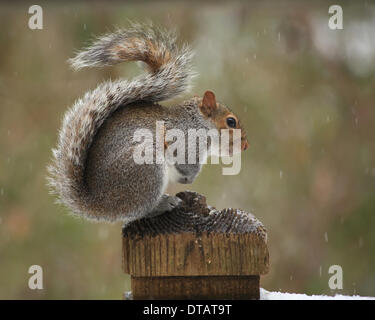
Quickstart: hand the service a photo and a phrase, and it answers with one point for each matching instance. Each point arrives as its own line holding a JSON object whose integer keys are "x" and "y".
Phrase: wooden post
{"x": 196, "y": 252}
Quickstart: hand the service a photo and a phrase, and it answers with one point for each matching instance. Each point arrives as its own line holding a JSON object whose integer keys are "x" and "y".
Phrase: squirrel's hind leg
{"x": 166, "y": 203}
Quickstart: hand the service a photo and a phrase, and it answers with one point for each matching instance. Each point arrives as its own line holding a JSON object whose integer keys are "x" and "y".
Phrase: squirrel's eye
{"x": 231, "y": 122}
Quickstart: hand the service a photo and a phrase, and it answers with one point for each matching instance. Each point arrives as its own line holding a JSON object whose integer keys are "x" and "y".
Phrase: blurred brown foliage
{"x": 304, "y": 92}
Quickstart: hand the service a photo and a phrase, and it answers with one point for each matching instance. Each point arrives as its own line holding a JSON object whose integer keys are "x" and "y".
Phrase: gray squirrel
{"x": 93, "y": 171}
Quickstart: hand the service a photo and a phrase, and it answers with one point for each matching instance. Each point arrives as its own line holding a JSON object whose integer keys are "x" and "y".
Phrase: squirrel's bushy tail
{"x": 169, "y": 74}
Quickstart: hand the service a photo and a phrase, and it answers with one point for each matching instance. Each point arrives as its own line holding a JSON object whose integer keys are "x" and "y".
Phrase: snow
{"x": 267, "y": 295}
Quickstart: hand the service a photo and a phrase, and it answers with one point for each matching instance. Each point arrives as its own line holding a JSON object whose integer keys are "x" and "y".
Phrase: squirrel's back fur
{"x": 169, "y": 74}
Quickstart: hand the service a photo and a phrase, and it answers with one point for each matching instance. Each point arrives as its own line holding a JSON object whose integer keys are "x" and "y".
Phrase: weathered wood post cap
{"x": 196, "y": 252}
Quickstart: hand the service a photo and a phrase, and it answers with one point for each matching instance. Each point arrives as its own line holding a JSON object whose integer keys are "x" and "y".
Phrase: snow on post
{"x": 196, "y": 252}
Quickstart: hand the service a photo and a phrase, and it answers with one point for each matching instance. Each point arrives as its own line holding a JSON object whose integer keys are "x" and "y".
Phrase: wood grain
{"x": 196, "y": 246}
{"x": 202, "y": 287}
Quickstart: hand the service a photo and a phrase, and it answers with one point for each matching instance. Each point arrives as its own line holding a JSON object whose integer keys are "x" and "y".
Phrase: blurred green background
{"x": 305, "y": 94}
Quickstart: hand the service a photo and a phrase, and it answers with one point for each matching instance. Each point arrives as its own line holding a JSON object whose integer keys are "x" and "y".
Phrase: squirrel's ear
{"x": 208, "y": 103}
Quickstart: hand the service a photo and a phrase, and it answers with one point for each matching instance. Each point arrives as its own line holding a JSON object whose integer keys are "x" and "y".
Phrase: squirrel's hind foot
{"x": 166, "y": 203}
